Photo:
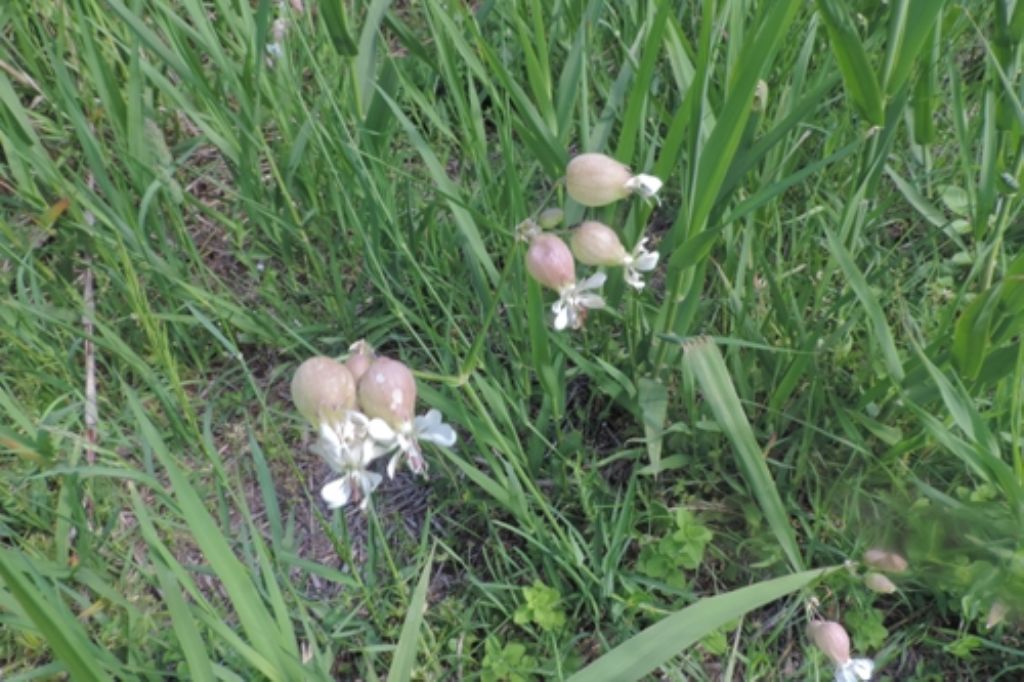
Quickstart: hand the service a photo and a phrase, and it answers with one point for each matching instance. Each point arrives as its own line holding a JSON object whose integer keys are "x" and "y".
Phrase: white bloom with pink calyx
{"x": 575, "y": 299}
{"x": 348, "y": 449}
{"x": 598, "y": 180}
{"x": 640, "y": 260}
{"x": 549, "y": 261}
{"x": 404, "y": 441}
{"x": 387, "y": 394}
{"x": 831, "y": 638}
{"x": 596, "y": 244}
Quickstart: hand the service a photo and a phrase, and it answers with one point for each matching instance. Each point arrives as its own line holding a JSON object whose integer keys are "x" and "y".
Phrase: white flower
{"x": 855, "y": 670}
{"x": 405, "y": 440}
{"x": 348, "y": 449}
{"x": 644, "y": 185}
{"x": 573, "y": 299}
{"x": 641, "y": 260}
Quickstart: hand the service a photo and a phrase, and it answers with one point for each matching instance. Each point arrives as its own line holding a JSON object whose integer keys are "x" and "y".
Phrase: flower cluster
{"x": 592, "y": 180}
{"x": 363, "y": 409}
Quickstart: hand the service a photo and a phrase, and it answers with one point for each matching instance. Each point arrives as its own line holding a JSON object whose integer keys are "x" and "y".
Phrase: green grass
{"x": 828, "y": 357}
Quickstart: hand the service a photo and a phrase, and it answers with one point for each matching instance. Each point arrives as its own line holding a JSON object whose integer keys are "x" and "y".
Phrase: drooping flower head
{"x": 595, "y": 243}
{"x": 879, "y": 582}
{"x": 323, "y": 390}
{"x": 550, "y": 262}
{"x": 831, "y": 638}
{"x": 884, "y": 560}
{"x": 387, "y": 393}
{"x": 598, "y": 180}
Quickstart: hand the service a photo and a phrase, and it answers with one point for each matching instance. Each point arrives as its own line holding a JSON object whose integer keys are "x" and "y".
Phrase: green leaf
{"x": 876, "y": 317}
{"x": 63, "y": 632}
{"x": 702, "y": 358}
{"x": 643, "y": 653}
{"x": 859, "y": 78}
{"x": 912, "y": 24}
{"x": 408, "y": 642}
{"x": 335, "y": 18}
{"x": 653, "y": 398}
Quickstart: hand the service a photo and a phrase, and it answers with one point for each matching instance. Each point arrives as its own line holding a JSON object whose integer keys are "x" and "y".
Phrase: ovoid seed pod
{"x": 360, "y": 356}
{"x": 597, "y": 180}
{"x": 388, "y": 391}
{"x": 831, "y": 638}
{"x": 323, "y": 390}
{"x": 595, "y": 243}
{"x": 876, "y": 582}
{"x": 883, "y": 560}
{"x": 550, "y": 262}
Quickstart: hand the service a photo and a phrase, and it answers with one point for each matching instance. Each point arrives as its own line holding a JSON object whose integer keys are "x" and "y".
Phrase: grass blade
{"x": 408, "y": 641}
{"x": 642, "y": 653}
{"x": 702, "y": 357}
{"x": 859, "y": 78}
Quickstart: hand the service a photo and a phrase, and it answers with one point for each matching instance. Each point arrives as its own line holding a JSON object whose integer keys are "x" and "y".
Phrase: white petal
{"x": 393, "y": 464}
{"x": 854, "y": 670}
{"x": 562, "y": 315}
{"x": 590, "y": 301}
{"x": 380, "y": 431}
{"x": 644, "y": 185}
{"x": 647, "y": 261}
{"x": 368, "y": 481}
{"x": 425, "y": 422}
{"x": 595, "y": 281}
{"x": 863, "y": 668}
{"x": 337, "y": 493}
{"x": 439, "y": 434}
{"x": 329, "y": 436}
{"x": 633, "y": 279}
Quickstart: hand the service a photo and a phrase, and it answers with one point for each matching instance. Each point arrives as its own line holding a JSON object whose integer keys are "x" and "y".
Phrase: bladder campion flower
{"x": 884, "y": 560}
{"x": 348, "y": 449}
{"x": 323, "y": 390}
{"x": 550, "y": 262}
{"x": 877, "y": 582}
{"x": 598, "y": 180}
{"x": 387, "y": 393}
{"x": 595, "y": 243}
{"x": 832, "y": 639}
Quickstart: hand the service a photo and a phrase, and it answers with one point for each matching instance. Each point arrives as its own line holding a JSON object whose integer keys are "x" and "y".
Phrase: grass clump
{"x": 823, "y": 361}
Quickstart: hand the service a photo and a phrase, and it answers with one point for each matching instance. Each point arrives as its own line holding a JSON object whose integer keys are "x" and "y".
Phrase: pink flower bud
{"x": 883, "y": 560}
{"x": 597, "y": 180}
{"x": 831, "y": 638}
{"x": 388, "y": 391}
{"x": 595, "y": 243}
{"x": 360, "y": 356}
{"x": 876, "y": 582}
{"x": 323, "y": 390}
{"x": 550, "y": 262}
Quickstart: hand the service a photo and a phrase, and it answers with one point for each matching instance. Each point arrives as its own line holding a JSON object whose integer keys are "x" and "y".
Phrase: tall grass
{"x": 828, "y": 358}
